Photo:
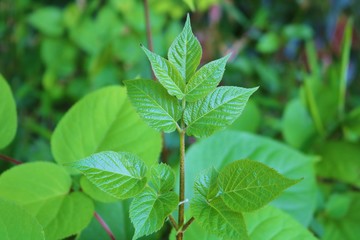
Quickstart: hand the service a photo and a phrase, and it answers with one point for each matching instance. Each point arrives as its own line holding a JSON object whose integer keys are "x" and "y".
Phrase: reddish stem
{"x": 9, "y": 159}
{"x": 104, "y": 225}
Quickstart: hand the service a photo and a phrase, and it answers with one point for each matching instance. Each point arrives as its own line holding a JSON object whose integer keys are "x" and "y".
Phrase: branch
{"x": 173, "y": 222}
{"x": 104, "y": 225}
{"x": 9, "y": 159}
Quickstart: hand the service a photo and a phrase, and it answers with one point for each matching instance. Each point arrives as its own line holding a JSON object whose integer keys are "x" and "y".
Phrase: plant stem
{"x": 173, "y": 222}
{"x": 187, "y": 224}
{"x": 9, "y": 159}
{"x": 148, "y": 31}
{"x": 104, "y": 225}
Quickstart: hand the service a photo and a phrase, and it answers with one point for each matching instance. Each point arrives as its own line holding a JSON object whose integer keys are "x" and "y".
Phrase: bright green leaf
{"x": 16, "y": 223}
{"x": 104, "y": 121}
{"x": 8, "y": 117}
{"x": 211, "y": 211}
{"x": 154, "y": 104}
{"x": 149, "y": 210}
{"x": 191, "y": 4}
{"x": 167, "y": 74}
{"x": 218, "y": 110}
{"x": 48, "y": 20}
{"x": 275, "y": 225}
{"x": 94, "y": 192}
{"x": 338, "y": 205}
{"x": 122, "y": 175}
{"x": 42, "y": 189}
{"x": 268, "y": 43}
{"x": 249, "y": 120}
{"x": 185, "y": 52}
{"x": 228, "y": 146}
{"x": 247, "y": 185}
{"x": 205, "y": 80}
{"x": 162, "y": 178}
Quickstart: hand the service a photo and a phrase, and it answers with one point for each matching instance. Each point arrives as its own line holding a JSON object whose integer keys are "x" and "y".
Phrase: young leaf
{"x": 162, "y": 178}
{"x": 154, "y": 104}
{"x": 247, "y": 185}
{"x": 185, "y": 52}
{"x": 17, "y": 223}
{"x": 8, "y": 116}
{"x": 167, "y": 74}
{"x": 205, "y": 80}
{"x": 218, "y": 110}
{"x": 212, "y": 213}
{"x": 149, "y": 210}
{"x": 121, "y": 175}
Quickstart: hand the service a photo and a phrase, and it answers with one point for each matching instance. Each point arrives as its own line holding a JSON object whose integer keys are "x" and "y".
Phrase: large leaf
{"x": 162, "y": 178}
{"x": 104, "y": 121}
{"x": 211, "y": 211}
{"x": 122, "y": 175}
{"x": 42, "y": 189}
{"x": 185, "y": 52}
{"x": 205, "y": 80}
{"x": 247, "y": 185}
{"x": 218, "y": 110}
{"x": 94, "y": 192}
{"x": 8, "y": 117}
{"x": 16, "y": 223}
{"x": 275, "y": 225}
{"x": 227, "y": 146}
{"x": 149, "y": 210}
{"x": 340, "y": 161}
{"x": 154, "y": 104}
{"x": 167, "y": 74}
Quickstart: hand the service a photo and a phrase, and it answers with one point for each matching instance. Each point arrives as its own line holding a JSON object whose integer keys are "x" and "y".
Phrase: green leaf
{"x": 48, "y": 20}
{"x": 275, "y": 225}
{"x": 190, "y": 3}
{"x": 205, "y": 80}
{"x": 122, "y": 175}
{"x": 338, "y": 205}
{"x": 42, "y": 189}
{"x": 162, "y": 178}
{"x": 268, "y": 43}
{"x": 16, "y": 223}
{"x": 185, "y": 52}
{"x": 99, "y": 122}
{"x": 167, "y": 74}
{"x": 340, "y": 160}
{"x": 227, "y": 146}
{"x": 149, "y": 210}
{"x": 249, "y": 120}
{"x": 211, "y": 211}
{"x": 297, "y": 125}
{"x": 218, "y": 110}
{"x": 247, "y": 185}
{"x": 94, "y": 192}
{"x": 154, "y": 105}
{"x": 8, "y": 116}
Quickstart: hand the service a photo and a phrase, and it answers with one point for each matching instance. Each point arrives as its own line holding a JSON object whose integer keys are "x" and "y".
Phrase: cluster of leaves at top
{"x": 190, "y": 102}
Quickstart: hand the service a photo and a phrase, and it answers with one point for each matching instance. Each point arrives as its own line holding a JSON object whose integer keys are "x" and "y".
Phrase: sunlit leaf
{"x": 162, "y": 178}
{"x": 122, "y": 175}
{"x": 218, "y": 110}
{"x": 185, "y": 52}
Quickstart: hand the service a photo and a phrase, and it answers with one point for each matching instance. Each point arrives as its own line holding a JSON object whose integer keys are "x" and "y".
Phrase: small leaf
{"x": 17, "y": 223}
{"x": 121, "y": 175}
{"x": 8, "y": 116}
{"x": 211, "y": 211}
{"x": 185, "y": 52}
{"x": 154, "y": 104}
{"x": 218, "y": 110}
{"x": 149, "y": 210}
{"x": 162, "y": 178}
{"x": 167, "y": 74}
{"x": 247, "y": 185}
{"x": 205, "y": 80}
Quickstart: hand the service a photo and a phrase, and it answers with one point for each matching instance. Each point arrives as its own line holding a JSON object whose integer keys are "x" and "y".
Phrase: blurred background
{"x": 304, "y": 55}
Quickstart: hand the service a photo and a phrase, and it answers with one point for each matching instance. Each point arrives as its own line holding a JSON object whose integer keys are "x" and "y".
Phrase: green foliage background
{"x": 53, "y": 53}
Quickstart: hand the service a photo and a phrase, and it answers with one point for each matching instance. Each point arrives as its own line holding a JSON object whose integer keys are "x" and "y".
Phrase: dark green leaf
{"x": 218, "y": 110}
{"x": 205, "y": 80}
{"x": 154, "y": 104}
{"x": 122, "y": 175}
{"x": 185, "y": 52}
{"x": 149, "y": 210}
{"x": 167, "y": 74}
